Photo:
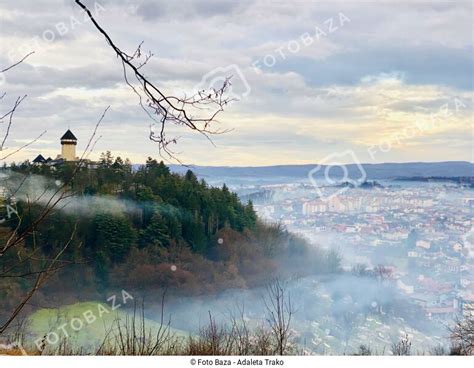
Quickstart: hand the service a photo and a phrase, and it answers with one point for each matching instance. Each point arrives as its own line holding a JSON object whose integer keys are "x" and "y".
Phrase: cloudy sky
{"x": 379, "y": 81}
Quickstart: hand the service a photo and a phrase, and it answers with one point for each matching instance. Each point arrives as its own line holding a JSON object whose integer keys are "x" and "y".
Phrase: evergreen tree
{"x": 156, "y": 232}
{"x": 114, "y": 235}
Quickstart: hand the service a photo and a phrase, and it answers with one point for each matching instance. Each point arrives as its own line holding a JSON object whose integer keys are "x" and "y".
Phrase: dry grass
{"x": 13, "y": 352}
{"x": 132, "y": 336}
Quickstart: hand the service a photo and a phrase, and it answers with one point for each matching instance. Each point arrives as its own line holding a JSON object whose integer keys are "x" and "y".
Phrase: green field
{"x": 81, "y": 325}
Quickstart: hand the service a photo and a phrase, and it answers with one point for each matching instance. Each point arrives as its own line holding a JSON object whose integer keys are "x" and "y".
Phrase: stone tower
{"x": 68, "y": 146}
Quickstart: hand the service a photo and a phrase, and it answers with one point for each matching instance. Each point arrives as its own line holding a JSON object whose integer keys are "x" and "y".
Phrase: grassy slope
{"x": 91, "y": 335}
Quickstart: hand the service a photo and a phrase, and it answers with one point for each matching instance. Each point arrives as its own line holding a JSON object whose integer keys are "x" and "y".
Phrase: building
{"x": 40, "y": 160}
{"x": 68, "y": 151}
{"x": 314, "y": 207}
{"x": 423, "y": 244}
{"x": 68, "y": 147}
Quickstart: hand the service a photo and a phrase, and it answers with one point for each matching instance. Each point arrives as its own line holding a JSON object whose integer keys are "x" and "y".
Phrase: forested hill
{"x": 300, "y": 172}
{"x": 151, "y": 228}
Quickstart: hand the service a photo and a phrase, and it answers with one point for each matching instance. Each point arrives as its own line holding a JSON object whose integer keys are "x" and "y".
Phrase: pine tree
{"x": 156, "y": 232}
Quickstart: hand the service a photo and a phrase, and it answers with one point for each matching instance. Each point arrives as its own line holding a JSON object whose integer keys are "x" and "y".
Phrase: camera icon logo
{"x": 354, "y": 176}
{"x": 214, "y": 80}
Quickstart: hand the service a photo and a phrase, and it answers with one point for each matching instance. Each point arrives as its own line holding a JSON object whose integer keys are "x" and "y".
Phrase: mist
{"x": 334, "y": 314}
{"x": 37, "y": 189}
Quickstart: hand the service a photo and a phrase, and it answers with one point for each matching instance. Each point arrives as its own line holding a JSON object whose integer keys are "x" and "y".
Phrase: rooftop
{"x": 69, "y": 136}
{"x": 39, "y": 159}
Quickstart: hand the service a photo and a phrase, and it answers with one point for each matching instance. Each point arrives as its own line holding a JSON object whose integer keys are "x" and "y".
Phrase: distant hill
{"x": 374, "y": 171}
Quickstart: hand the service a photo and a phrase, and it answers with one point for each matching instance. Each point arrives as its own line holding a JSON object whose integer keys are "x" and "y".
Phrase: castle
{"x": 68, "y": 151}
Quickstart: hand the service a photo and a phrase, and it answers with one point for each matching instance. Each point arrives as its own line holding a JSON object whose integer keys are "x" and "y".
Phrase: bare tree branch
{"x": 462, "y": 335}
{"x": 18, "y": 62}
{"x": 40, "y": 280}
{"x": 280, "y": 311}
{"x": 164, "y": 109}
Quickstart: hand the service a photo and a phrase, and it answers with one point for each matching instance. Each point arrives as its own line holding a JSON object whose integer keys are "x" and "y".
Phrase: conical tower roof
{"x": 69, "y": 136}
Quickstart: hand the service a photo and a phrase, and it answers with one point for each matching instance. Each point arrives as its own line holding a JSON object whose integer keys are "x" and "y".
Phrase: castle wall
{"x": 68, "y": 152}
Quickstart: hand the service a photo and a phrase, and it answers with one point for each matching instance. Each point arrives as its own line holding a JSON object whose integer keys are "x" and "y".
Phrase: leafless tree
{"x": 133, "y": 336}
{"x": 241, "y": 332}
{"x": 280, "y": 311}
{"x": 462, "y": 335}
{"x": 8, "y": 116}
{"x": 196, "y": 112}
{"x": 402, "y": 346}
{"x": 42, "y": 276}
{"x": 383, "y": 273}
{"x": 13, "y": 240}
{"x": 439, "y": 350}
{"x": 364, "y": 350}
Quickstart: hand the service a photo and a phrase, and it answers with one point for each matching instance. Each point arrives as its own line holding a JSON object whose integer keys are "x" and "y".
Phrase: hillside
{"x": 374, "y": 171}
{"x": 147, "y": 230}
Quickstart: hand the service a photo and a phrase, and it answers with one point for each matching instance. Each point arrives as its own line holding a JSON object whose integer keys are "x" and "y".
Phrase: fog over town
{"x": 416, "y": 232}
{"x": 237, "y": 182}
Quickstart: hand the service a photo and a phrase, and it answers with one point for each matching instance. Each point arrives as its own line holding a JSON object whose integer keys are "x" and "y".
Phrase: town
{"x": 421, "y": 232}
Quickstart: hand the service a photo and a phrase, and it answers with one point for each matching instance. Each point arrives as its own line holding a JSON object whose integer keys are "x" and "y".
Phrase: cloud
{"x": 390, "y": 64}
{"x": 420, "y": 65}
{"x": 152, "y": 10}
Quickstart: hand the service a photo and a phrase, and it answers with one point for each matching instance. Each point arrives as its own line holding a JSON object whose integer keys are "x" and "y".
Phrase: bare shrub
{"x": 364, "y": 350}
{"x": 462, "y": 336}
{"x": 402, "y": 346}
{"x": 280, "y": 311}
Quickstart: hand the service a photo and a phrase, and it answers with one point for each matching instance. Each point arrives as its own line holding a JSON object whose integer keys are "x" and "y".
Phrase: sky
{"x": 355, "y": 81}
